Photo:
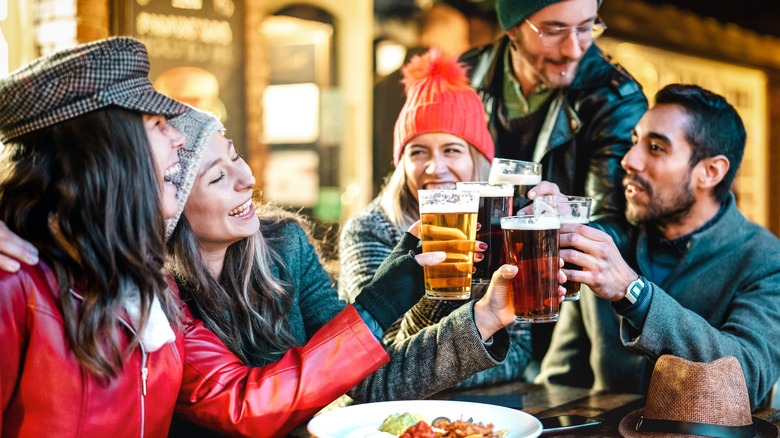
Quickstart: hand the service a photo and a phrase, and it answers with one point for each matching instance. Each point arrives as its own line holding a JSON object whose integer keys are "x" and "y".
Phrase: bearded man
{"x": 700, "y": 281}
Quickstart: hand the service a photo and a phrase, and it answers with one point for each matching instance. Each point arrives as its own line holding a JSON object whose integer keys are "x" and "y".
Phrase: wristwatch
{"x": 632, "y": 293}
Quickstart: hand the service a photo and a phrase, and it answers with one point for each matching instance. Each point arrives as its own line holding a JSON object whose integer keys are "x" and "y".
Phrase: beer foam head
{"x": 542, "y": 222}
{"x": 487, "y": 189}
{"x": 574, "y": 220}
{"x": 448, "y": 201}
{"x": 517, "y": 172}
{"x": 515, "y": 179}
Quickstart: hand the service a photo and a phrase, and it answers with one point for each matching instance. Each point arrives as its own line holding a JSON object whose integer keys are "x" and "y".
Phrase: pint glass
{"x": 495, "y": 202}
{"x": 532, "y": 245}
{"x": 449, "y": 224}
{"x": 522, "y": 174}
{"x": 570, "y": 210}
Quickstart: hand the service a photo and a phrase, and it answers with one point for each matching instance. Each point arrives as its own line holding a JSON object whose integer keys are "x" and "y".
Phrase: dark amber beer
{"x": 495, "y": 202}
{"x": 448, "y": 222}
{"x": 532, "y": 245}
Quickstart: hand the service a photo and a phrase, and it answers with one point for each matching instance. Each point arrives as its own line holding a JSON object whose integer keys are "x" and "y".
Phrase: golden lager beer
{"x": 449, "y": 224}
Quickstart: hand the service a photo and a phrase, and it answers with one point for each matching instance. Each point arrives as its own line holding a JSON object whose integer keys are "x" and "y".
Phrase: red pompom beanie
{"x": 439, "y": 99}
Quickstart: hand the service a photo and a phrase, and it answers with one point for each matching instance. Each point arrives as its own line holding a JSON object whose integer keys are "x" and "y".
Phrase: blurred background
{"x": 309, "y": 90}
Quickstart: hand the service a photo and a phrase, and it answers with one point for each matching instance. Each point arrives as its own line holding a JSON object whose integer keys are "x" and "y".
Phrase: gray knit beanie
{"x": 198, "y": 127}
{"x": 512, "y": 12}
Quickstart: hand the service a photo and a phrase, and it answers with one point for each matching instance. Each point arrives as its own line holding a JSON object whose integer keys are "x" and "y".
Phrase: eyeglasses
{"x": 555, "y": 36}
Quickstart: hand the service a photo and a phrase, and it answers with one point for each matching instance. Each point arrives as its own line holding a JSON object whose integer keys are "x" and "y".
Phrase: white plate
{"x": 359, "y": 421}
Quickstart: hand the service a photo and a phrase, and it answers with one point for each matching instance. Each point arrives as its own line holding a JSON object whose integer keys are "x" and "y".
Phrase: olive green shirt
{"x": 515, "y": 104}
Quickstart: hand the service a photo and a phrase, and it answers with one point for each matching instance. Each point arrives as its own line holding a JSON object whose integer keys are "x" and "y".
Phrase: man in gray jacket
{"x": 701, "y": 281}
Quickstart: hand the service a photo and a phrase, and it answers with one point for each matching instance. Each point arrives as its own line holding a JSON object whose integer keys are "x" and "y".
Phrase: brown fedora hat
{"x": 690, "y": 399}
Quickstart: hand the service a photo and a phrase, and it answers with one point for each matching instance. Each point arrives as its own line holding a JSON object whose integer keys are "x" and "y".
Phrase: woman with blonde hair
{"x": 441, "y": 138}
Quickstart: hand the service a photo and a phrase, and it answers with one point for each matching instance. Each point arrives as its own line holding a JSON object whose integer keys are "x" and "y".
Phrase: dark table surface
{"x": 547, "y": 400}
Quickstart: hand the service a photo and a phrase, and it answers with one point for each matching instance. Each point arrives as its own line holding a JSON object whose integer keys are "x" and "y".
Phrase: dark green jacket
{"x": 583, "y": 135}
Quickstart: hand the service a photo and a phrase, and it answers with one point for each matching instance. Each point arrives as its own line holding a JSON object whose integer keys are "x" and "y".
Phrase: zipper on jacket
{"x": 144, "y": 373}
{"x": 144, "y": 369}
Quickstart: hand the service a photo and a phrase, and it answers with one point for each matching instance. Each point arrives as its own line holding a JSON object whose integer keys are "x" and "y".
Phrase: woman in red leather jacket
{"x": 95, "y": 341}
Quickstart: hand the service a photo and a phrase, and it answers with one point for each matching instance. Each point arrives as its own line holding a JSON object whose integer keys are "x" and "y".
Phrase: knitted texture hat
{"x": 439, "y": 99}
{"x": 512, "y": 12}
{"x": 78, "y": 80}
{"x": 198, "y": 127}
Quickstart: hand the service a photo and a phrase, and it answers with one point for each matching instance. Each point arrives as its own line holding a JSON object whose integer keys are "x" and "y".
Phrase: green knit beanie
{"x": 512, "y": 12}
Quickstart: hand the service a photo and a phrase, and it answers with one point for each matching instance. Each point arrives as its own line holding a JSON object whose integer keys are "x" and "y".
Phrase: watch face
{"x": 635, "y": 289}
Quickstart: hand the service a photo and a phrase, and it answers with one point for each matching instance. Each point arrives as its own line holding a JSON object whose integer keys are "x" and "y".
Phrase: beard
{"x": 660, "y": 212}
{"x": 536, "y": 63}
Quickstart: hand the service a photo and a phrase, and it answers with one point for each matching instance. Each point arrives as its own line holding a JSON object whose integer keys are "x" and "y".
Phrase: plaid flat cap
{"x": 75, "y": 81}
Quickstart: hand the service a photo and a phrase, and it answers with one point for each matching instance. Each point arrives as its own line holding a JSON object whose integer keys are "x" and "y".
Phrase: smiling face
{"x": 164, "y": 141}
{"x": 555, "y": 66}
{"x": 219, "y": 208}
{"x": 659, "y": 176}
{"x": 437, "y": 161}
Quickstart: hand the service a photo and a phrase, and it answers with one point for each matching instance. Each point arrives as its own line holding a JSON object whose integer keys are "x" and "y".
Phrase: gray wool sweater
{"x": 366, "y": 240}
{"x": 449, "y": 351}
{"x": 723, "y": 299}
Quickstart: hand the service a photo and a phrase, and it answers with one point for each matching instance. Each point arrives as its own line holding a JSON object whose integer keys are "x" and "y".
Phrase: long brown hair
{"x": 65, "y": 188}
{"x": 247, "y": 306}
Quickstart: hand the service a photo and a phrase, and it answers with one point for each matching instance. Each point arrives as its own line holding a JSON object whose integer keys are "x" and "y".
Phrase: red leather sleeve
{"x": 13, "y": 318}
{"x": 219, "y": 392}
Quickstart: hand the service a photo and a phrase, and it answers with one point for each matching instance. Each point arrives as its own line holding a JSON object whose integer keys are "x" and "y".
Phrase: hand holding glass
{"x": 448, "y": 222}
{"x": 532, "y": 245}
{"x": 570, "y": 210}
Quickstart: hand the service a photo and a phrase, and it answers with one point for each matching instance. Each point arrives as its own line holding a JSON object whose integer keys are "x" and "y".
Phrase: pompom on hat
{"x": 513, "y": 12}
{"x": 78, "y": 80}
{"x": 440, "y": 99}
{"x": 690, "y": 399}
{"x": 198, "y": 127}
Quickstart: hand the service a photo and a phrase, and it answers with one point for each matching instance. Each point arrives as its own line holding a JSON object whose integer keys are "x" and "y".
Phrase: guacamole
{"x": 398, "y": 423}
